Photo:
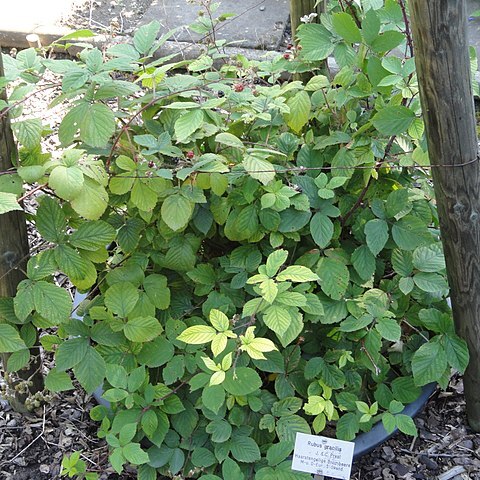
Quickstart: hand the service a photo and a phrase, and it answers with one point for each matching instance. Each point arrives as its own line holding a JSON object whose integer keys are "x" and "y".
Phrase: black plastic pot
{"x": 368, "y": 441}
{"x": 364, "y": 443}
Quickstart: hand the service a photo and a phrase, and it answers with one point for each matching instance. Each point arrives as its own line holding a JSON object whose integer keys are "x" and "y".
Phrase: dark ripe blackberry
{"x": 221, "y": 94}
{"x": 151, "y": 164}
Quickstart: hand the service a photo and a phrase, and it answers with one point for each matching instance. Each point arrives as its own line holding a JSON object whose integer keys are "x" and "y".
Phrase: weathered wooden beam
{"x": 14, "y": 250}
{"x": 443, "y": 67}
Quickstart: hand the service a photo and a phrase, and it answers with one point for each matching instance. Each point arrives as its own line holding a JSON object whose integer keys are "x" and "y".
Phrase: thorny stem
{"x": 407, "y": 27}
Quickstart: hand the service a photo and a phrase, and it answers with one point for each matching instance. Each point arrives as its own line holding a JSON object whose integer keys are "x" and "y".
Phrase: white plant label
{"x": 323, "y": 456}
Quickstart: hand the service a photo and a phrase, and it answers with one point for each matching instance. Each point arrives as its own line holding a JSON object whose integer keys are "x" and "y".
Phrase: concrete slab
{"x": 32, "y": 15}
{"x": 256, "y": 24}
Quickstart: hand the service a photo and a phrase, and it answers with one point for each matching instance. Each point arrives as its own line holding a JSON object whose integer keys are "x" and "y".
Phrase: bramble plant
{"x": 263, "y": 258}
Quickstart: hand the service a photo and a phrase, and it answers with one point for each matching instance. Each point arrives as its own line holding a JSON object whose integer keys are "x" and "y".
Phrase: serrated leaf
{"x": 197, "y": 334}
{"x": 347, "y": 427}
{"x": 457, "y": 352}
{"x": 8, "y": 202}
{"x": 92, "y": 200}
{"x": 429, "y": 363}
{"x": 363, "y": 261}
{"x": 51, "y": 302}
{"x": 429, "y": 258}
{"x": 406, "y": 424}
{"x": 297, "y": 273}
{"x": 393, "y": 120}
{"x": 213, "y": 397}
{"x": 121, "y": 298}
{"x": 10, "y": 340}
{"x": 345, "y": 26}
{"x": 50, "y": 220}
{"x": 259, "y": 168}
{"x": 92, "y": 235}
{"x": 274, "y": 261}
{"x": 187, "y": 124}
{"x": 288, "y": 427}
{"x": 176, "y": 211}
{"x": 277, "y": 318}
{"x": 155, "y": 287}
{"x": 28, "y": 132}
{"x": 90, "y": 371}
{"x": 321, "y": 229}
{"x": 70, "y": 353}
{"x": 67, "y": 182}
{"x": 145, "y": 36}
{"x": 299, "y": 114}
{"x": 333, "y": 277}
{"x": 57, "y": 381}
{"x": 376, "y": 232}
{"x": 430, "y": 282}
{"x": 389, "y": 329}
{"x": 230, "y": 140}
{"x": 142, "y": 329}
{"x": 134, "y": 454}
{"x": 316, "y": 42}
{"x": 242, "y": 381}
{"x": 245, "y": 449}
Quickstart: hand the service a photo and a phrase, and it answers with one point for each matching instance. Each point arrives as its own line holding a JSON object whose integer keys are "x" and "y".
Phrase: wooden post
{"x": 300, "y": 8}
{"x": 443, "y": 67}
{"x": 14, "y": 251}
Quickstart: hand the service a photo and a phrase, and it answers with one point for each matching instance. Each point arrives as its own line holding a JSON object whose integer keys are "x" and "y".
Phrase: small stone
{"x": 388, "y": 453}
{"x": 12, "y": 423}
{"x": 428, "y": 462}
{"x": 44, "y": 468}
{"x": 20, "y": 461}
{"x": 262, "y": 8}
{"x": 467, "y": 444}
{"x": 400, "y": 470}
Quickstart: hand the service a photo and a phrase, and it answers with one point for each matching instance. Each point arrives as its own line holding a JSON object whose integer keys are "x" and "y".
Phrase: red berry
{"x": 190, "y": 154}
{"x": 151, "y": 164}
{"x": 290, "y": 46}
{"x": 238, "y": 87}
{"x": 286, "y": 56}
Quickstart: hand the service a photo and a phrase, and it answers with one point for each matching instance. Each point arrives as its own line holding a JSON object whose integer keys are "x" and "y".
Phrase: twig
{"x": 40, "y": 435}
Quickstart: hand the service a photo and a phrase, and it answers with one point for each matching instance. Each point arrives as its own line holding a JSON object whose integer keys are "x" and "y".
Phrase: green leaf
{"x": 429, "y": 258}
{"x": 51, "y": 302}
{"x": 92, "y": 235}
{"x": 333, "y": 277}
{"x": 10, "y": 340}
{"x": 364, "y": 262}
{"x": 149, "y": 422}
{"x": 197, "y": 334}
{"x": 176, "y": 211}
{"x": 57, "y": 381}
{"x": 389, "y": 329}
{"x": 387, "y": 41}
{"x": 259, "y": 168}
{"x": 429, "y": 363}
{"x": 187, "y": 124}
{"x": 393, "y": 120}
{"x": 410, "y": 232}
{"x": 288, "y": 427}
{"x": 134, "y": 454}
{"x": 220, "y": 430}
{"x": 143, "y": 197}
{"x": 297, "y": 273}
{"x": 431, "y": 282}
{"x": 299, "y": 114}
{"x": 406, "y": 424}
{"x": 66, "y": 181}
{"x": 245, "y": 449}
{"x": 144, "y": 38}
{"x": 376, "y": 232}
{"x": 457, "y": 352}
{"x": 242, "y": 381}
{"x": 230, "y": 140}
{"x": 389, "y": 422}
{"x": 90, "y": 371}
{"x": 155, "y": 287}
{"x": 70, "y": 353}
{"x": 121, "y": 298}
{"x": 50, "y": 220}
{"x": 92, "y": 200}
{"x": 316, "y": 42}
{"x": 278, "y": 452}
{"x": 8, "y": 202}
{"x": 277, "y": 318}
{"x": 213, "y": 397}
{"x": 321, "y": 229}
{"x": 17, "y": 360}
{"x": 28, "y": 132}
{"x": 348, "y": 427}
{"x": 345, "y": 26}
{"x": 142, "y": 329}
{"x": 274, "y": 261}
